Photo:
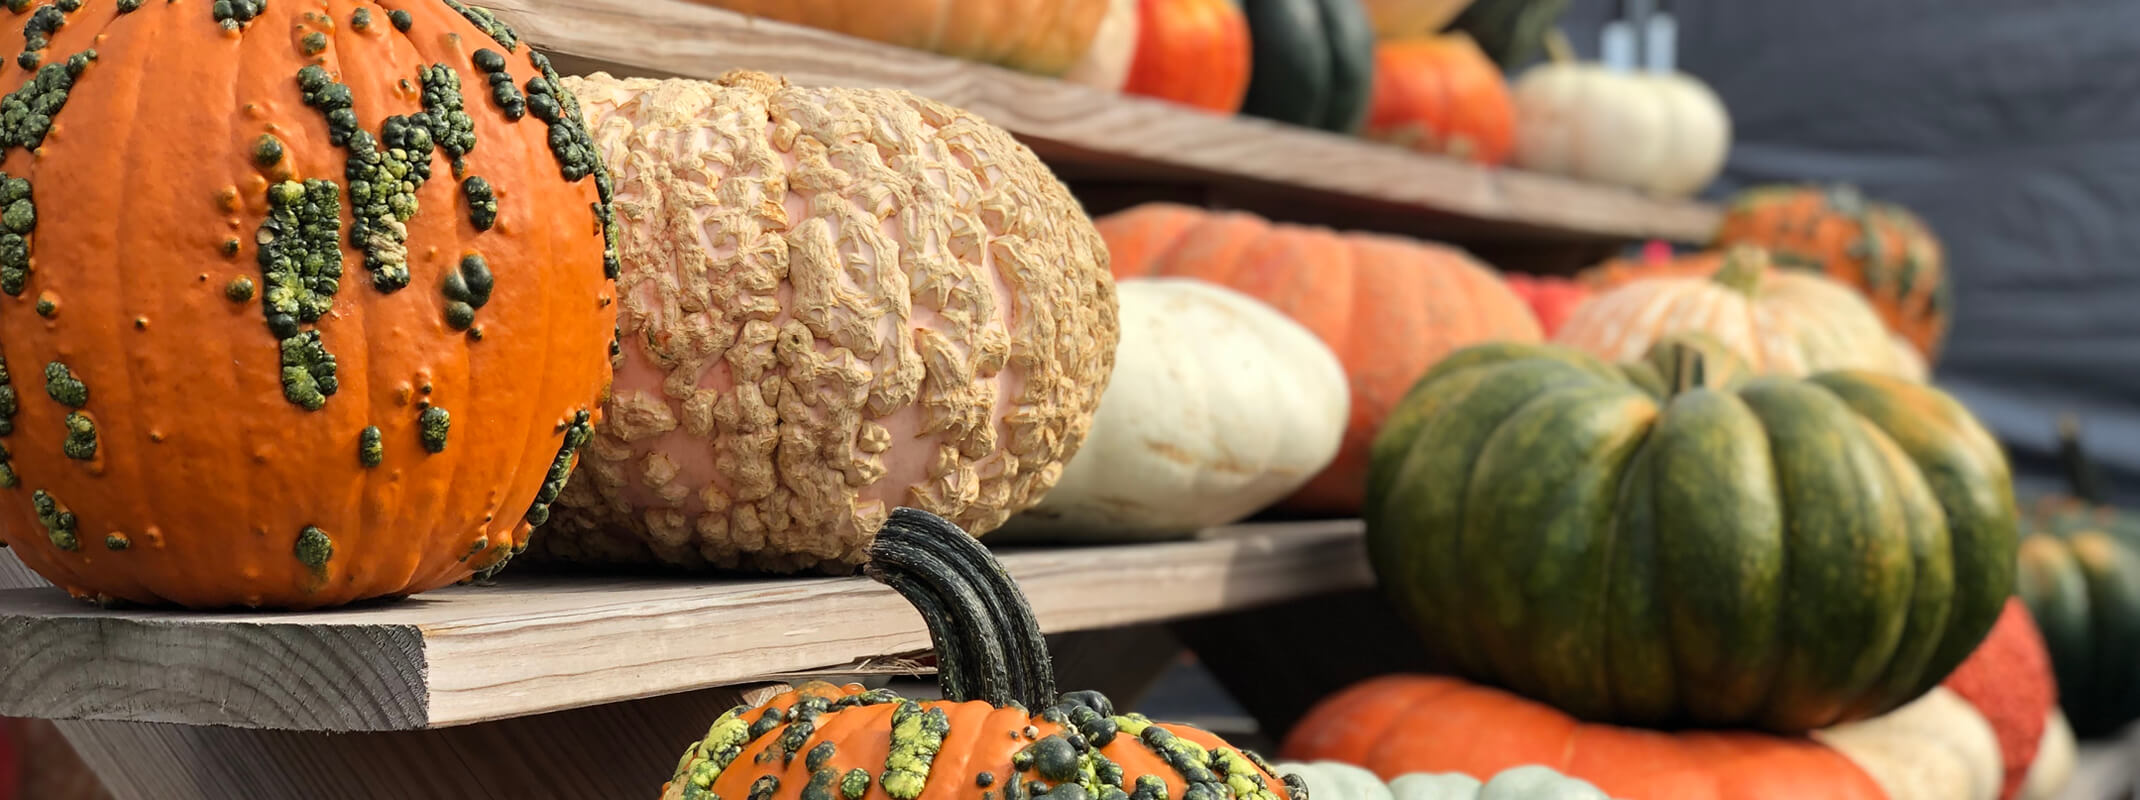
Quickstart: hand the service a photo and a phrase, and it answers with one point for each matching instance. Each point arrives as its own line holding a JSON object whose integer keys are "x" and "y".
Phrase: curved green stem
{"x": 2081, "y": 474}
{"x": 988, "y": 645}
{"x": 1743, "y": 269}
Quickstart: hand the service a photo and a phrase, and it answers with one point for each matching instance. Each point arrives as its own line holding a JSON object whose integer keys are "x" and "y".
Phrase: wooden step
{"x": 538, "y": 643}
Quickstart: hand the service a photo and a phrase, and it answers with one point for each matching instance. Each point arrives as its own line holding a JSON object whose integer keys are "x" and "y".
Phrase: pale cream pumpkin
{"x": 1114, "y": 48}
{"x": 1663, "y": 133}
{"x": 833, "y": 302}
{"x": 1039, "y": 36}
{"x": 1220, "y": 405}
{"x": 1783, "y": 321}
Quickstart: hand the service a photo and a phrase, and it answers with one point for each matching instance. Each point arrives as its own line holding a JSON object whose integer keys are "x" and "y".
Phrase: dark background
{"x": 2013, "y": 128}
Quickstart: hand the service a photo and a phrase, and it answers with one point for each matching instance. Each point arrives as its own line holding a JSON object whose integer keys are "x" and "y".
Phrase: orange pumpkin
{"x": 1001, "y": 729}
{"x": 1882, "y": 249}
{"x": 1783, "y": 321}
{"x": 1442, "y": 95}
{"x": 1977, "y": 736}
{"x": 1044, "y": 37}
{"x": 1192, "y": 52}
{"x": 1389, "y": 307}
{"x": 1400, "y": 724}
{"x": 1553, "y": 299}
{"x": 333, "y": 319}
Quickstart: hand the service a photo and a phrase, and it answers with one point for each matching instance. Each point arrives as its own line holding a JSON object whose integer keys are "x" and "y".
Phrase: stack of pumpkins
{"x": 447, "y": 296}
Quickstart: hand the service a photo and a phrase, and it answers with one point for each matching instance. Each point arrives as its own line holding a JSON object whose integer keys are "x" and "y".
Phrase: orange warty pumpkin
{"x": 1000, "y": 731}
{"x": 1045, "y": 37}
{"x": 1884, "y": 250}
{"x": 305, "y": 302}
{"x": 1389, "y": 307}
{"x": 1442, "y": 95}
{"x": 1192, "y": 52}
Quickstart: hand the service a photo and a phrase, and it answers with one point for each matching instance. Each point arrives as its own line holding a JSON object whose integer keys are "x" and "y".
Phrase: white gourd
{"x": 1219, "y": 406}
{"x": 1666, "y": 134}
{"x": 2056, "y": 754}
{"x": 1114, "y": 47}
{"x": 1330, "y": 780}
{"x": 1936, "y": 748}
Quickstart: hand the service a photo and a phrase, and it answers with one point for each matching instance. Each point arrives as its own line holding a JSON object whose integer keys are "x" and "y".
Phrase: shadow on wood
{"x": 1277, "y": 661}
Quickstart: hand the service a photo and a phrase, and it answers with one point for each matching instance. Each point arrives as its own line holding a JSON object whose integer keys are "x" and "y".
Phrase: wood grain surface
{"x": 540, "y": 643}
{"x": 1086, "y": 133}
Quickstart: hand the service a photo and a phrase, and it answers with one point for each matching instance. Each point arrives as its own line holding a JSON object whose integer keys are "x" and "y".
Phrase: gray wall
{"x": 2014, "y": 129}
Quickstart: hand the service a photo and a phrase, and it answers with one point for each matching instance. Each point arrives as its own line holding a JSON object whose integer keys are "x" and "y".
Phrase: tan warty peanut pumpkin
{"x": 833, "y": 302}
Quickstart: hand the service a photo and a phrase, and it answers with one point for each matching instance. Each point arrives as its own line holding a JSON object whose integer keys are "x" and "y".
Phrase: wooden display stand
{"x": 589, "y": 687}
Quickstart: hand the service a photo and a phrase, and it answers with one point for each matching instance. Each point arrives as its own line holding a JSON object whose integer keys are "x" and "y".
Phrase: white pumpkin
{"x": 1114, "y": 47}
{"x": 2056, "y": 755}
{"x": 1938, "y": 747}
{"x": 1219, "y": 406}
{"x": 1663, "y": 133}
{"x": 1331, "y": 780}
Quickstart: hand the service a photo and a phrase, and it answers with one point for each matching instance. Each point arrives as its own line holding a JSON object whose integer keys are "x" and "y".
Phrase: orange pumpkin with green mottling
{"x": 302, "y": 303}
{"x": 1001, "y": 730}
{"x": 1882, "y": 249}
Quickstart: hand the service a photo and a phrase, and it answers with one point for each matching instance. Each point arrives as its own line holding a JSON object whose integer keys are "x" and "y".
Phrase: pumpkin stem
{"x": 2081, "y": 474}
{"x": 988, "y": 645}
{"x": 1558, "y": 49}
{"x": 1692, "y": 368}
{"x": 1744, "y": 266}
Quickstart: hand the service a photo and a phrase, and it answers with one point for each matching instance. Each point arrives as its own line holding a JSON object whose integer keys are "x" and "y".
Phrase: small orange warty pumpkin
{"x": 1001, "y": 730}
{"x": 301, "y": 303}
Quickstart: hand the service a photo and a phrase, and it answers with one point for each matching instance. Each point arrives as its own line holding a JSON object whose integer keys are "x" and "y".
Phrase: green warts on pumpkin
{"x": 301, "y": 266}
{"x": 37, "y": 33}
{"x": 25, "y": 117}
{"x": 917, "y": 735}
{"x": 482, "y": 202}
{"x": 58, "y": 521}
{"x": 233, "y": 14}
{"x": 467, "y": 289}
{"x": 482, "y": 18}
{"x": 314, "y": 548}
{"x": 81, "y": 442}
{"x": 432, "y": 426}
{"x": 63, "y": 387}
{"x": 371, "y": 446}
{"x": 502, "y": 89}
{"x": 577, "y": 433}
{"x": 8, "y": 401}
{"x": 360, "y": 20}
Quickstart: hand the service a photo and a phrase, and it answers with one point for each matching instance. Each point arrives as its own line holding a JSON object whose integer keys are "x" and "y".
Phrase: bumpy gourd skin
{"x": 833, "y": 302}
{"x": 262, "y": 352}
{"x": 826, "y": 742}
{"x": 1780, "y": 553}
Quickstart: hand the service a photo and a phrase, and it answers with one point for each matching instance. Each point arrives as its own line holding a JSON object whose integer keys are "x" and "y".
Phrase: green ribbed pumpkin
{"x": 2080, "y": 577}
{"x": 1772, "y": 552}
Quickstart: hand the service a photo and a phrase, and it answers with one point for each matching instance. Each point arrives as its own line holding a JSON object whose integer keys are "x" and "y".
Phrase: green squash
{"x": 2080, "y": 577}
{"x": 1314, "y": 63}
{"x": 1511, "y": 32}
{"x": 1772, "y": 552}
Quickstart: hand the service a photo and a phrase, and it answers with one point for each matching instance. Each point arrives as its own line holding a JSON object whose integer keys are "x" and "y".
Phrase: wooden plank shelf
{"x": 1089, "y": 135}
{"x": 539, "y": 643}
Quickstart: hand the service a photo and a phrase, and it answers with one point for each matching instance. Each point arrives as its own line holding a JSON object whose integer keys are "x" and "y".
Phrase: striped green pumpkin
{"x": 1713, "y": 550}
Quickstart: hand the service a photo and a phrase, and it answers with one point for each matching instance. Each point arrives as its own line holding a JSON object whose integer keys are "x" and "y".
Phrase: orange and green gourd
{"x": 1882, "y": 249}
{"x": 301, "y": 303}
{"x": 1001, "y": 732}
